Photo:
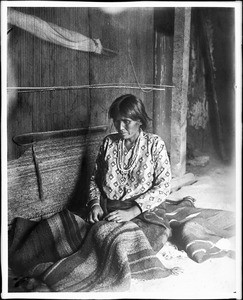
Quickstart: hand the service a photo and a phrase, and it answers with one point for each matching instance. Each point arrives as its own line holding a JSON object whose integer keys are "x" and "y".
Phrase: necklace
{"x": 133, "y": 159}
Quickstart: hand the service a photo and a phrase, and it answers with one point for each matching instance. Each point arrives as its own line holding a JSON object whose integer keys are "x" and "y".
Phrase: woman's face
{"x": 127, "y": 128}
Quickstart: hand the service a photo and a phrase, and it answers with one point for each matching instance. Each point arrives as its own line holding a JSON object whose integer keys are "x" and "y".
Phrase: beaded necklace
{"x": 133, "y": 159}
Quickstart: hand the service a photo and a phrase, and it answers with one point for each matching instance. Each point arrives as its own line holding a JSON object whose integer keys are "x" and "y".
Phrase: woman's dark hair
{"x": 131, "y": 107}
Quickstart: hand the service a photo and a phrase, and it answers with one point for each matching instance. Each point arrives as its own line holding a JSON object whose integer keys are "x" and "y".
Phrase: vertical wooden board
{"x": 163, "y": 76}
{"x": 179, "y": 93}
{"x": 141, "y": 38}
{"x": 131, "y": 31}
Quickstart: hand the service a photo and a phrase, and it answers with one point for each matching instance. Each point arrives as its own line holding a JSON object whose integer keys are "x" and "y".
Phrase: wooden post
{"x": 163, "y": 76}
{"x": 179, "y": 92}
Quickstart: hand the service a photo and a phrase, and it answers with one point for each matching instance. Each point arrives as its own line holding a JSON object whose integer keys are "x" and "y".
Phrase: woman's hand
{"x": 95, "y": 215}
{"x": 123, "y": 215}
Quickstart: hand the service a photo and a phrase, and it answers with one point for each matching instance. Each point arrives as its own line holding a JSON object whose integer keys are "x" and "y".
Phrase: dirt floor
{"x": 213, "y": 279}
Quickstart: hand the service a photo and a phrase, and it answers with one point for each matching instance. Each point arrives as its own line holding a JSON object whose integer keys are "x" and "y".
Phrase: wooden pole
{"x": 179, "y": 93}
{"x": 163, "y": 75}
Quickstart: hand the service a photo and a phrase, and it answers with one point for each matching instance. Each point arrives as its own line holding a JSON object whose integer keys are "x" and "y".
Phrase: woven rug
{"x": 68, "y": 254}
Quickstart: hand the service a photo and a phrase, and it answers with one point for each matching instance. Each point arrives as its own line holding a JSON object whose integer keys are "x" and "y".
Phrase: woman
{"x": 131, "y": 181}
{"x": 129, "y": 218}
{"x": 132, "y": 173}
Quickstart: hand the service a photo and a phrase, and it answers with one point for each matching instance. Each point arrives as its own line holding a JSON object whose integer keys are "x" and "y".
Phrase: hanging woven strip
{"x": 53, "y": 33}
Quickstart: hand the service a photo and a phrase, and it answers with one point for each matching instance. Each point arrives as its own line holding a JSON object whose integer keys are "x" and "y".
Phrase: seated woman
{"x": 131, "y": 181}
{"x": 129, "y": 218}
{"x": 132, "y": 173}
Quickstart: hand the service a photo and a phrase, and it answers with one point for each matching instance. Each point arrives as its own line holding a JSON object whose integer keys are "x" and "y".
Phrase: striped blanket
{"x": 56, "y": 252}
{"x": 69, "y": 255}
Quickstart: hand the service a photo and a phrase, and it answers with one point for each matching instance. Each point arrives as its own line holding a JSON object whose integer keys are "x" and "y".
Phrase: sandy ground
{"x": 217, "y": 278}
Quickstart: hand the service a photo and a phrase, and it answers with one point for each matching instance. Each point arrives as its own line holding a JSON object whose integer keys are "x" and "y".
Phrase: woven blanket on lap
{"x": 56, "y": 251}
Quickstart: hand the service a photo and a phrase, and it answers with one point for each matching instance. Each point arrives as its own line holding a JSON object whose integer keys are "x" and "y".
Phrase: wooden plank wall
{"x": 164, "y": 40}
{"x": 129, "y": 32}
{"x": 39, "y": 63}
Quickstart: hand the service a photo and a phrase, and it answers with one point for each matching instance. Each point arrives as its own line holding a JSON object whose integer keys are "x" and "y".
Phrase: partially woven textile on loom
{"x": 55, "y": 251}
{"x": 64, "y": 165}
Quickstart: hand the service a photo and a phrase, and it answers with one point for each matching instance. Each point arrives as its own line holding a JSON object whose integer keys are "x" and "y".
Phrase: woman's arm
{"x": 95, "y": 211}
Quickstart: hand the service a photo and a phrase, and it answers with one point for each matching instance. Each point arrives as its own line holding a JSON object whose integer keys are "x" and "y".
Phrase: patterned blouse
{"x": 142, "y": 172}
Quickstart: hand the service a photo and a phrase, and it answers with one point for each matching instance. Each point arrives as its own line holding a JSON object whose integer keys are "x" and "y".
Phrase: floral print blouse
{"x": 147, "y": 178}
